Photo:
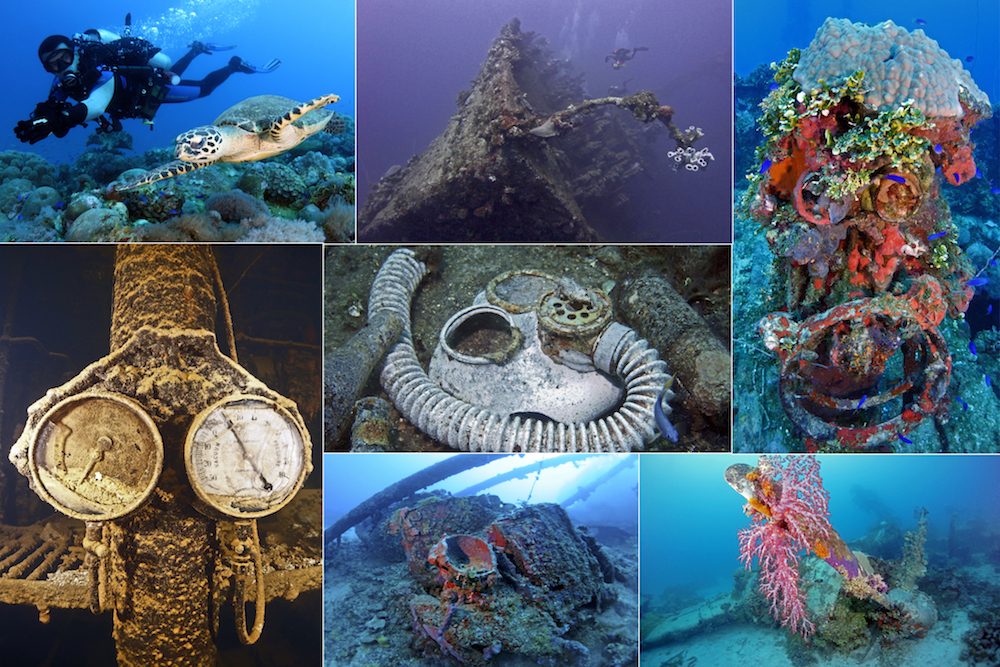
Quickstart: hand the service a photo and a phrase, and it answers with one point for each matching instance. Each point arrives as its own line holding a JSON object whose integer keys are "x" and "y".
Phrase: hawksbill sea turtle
{"x": 256, "y": 128}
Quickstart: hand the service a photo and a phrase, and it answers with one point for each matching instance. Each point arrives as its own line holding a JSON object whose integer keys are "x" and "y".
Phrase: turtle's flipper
{"x": 335, "y": 125}
{"x": 169, "y": 170}
{"x": 278, "y": 127}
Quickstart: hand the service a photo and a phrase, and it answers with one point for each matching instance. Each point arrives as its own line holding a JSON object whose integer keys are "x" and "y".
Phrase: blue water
{"x": 314, "y": 39}
{"x": 689, "y": 515}
{"x": 349, "y": 479}
{"x": 415, "y": 57}
{"x": 766, "y": 29}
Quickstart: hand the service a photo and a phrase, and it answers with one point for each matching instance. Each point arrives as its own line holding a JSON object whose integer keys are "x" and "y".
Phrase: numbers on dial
{"x": 245, "y": 456}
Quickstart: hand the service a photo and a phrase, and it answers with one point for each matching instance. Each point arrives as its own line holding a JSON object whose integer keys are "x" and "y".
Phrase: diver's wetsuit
{"x": 123, "y": 77}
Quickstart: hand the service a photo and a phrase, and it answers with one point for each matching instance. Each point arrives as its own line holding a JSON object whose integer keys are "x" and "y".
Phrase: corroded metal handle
{"x": 247, "y": 559}
{"x": 96, "y": 549}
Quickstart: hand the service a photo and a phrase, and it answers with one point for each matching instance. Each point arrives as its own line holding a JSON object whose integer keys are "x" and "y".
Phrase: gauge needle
{"x": 96, "y": 454}
{"x": 246, "y": 454}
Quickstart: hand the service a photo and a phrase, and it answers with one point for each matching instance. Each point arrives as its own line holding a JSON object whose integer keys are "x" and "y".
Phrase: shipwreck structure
{"x": 508, "y": 168}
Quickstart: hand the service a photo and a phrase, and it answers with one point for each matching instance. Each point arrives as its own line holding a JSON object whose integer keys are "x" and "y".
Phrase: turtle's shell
{"x": 256, "y": 114}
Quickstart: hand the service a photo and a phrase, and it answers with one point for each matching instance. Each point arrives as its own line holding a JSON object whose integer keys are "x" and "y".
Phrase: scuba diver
{"x": 620, "y": 91}
{"x": 111, "y": 77}
{"x": 623, "y": 54}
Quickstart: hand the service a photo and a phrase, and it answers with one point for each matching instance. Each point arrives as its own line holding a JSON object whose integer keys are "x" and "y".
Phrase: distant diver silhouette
{"x": 619, "y": 91}
{"x": 619, "y": 56}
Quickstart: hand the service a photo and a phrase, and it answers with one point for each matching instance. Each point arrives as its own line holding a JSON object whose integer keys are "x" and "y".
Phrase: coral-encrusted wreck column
{"x": 862, "y": 131}
{"x": 163, "y": 552}
{"x": 494, "y": 176}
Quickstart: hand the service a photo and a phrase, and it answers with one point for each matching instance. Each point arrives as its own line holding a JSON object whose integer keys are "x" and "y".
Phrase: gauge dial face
{"x": 245, "y": 456}
{"x": 96, "y": 456}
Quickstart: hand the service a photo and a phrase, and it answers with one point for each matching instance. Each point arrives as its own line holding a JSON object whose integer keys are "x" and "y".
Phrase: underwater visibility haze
{"x": 481, "y": 559}
{"x": 415, "y": 61}
{"x": 929, "y": 526}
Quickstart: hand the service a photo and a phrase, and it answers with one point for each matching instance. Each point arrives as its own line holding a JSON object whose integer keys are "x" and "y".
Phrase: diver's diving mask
{"x": 59, "y": 60}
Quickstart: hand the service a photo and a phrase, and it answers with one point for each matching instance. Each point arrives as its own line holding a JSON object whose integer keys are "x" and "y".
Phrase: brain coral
{"x": 898, "y": 66}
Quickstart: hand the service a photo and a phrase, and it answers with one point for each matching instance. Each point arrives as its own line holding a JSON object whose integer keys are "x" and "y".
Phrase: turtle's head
{"x": 200, "y": 145}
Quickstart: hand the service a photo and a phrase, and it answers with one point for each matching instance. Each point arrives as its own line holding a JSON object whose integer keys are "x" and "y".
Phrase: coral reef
{"x": 235, "y": 206}
{"x": 984, "y": 640}
{"x": 862, "y": 130}
{"x": 27, "y": 166}
{"x": 914, "y": 562}
{"x": 41, "y": 202}
{"x": 898, "y": 65}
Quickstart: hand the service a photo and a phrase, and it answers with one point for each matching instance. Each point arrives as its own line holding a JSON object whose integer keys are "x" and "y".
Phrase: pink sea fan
{"x": 790, "y": 516}
{"x": 779, "y": 557}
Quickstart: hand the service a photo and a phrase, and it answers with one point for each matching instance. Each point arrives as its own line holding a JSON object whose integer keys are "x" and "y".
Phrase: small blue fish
{"x": 993, "y": 262}
{"x": 20, "y": 217}
{"x": 965, "y": 406}
{"x": 972, "y": 348}
{"x": 863, "y": 399}
{"x": 666, "y": 428}
{"x": 199, "y": 196}
{"x": 904, "y": 439}
{"x": 995, "y": 191}
{"x": 774, "y": 86}
{"x": 989, "y": 382}
{"x": 989, "y": 309}
{"x": 937, "y": 148}
{"x": 979, "y": 173}
{"x": 976, "y": 282}
{"x": 895, "y": 177}
{"x": 765, "y": 165}
{"x": 60, "y": 204}
{"x": 920, "y": 21}
{"x": 969, "y": 59}
{"x": 174, "y": 211}
{"x": 956, "y": 178}
{"x": 936, "y": 235}
{"x": 143, "y": 199}
{"x": 938, "y": 170}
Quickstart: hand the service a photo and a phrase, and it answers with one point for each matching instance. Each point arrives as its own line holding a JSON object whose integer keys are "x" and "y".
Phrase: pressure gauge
{"x": 246, "y": 456}
{"x": 96, "y": 456}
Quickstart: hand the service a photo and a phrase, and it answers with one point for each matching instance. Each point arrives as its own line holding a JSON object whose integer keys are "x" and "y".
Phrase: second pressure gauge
{"x": 246, "y": 456}
{"x": 96, "y": 456}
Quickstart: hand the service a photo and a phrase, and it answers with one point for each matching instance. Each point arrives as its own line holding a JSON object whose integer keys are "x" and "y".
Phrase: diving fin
{"x": 209, "y": 47}
{"x": 243, "y": 66}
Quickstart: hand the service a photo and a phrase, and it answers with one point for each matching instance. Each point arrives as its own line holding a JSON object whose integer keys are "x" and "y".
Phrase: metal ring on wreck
{"x": 619, "y": 351}
{"x": 927, "y": 367}
{"x": 905, "y": 202}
